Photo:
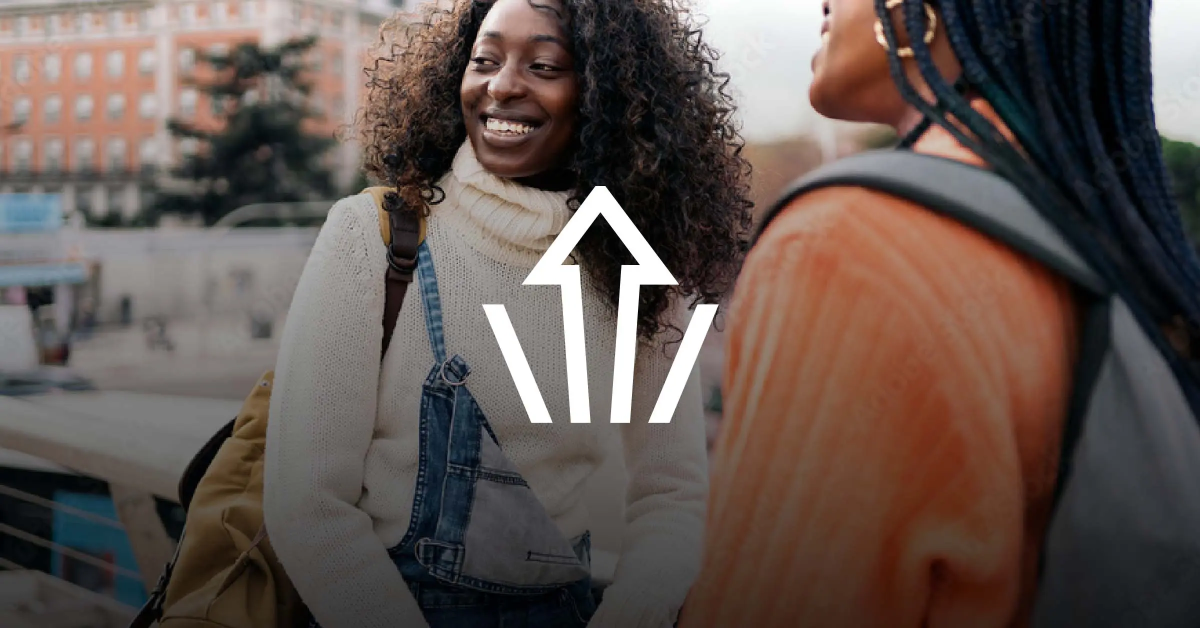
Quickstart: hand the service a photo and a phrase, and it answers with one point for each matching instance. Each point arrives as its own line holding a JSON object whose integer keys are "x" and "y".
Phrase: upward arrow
{"x": 552, "y": 269}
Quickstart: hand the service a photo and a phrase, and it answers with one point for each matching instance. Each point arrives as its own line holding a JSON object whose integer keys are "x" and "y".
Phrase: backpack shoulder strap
{"x": 402, "y": 233}
{"x": 978, "y": 198}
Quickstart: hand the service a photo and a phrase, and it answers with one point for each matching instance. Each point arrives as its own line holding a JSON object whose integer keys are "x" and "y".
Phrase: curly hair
{"x": 656, "y": 127}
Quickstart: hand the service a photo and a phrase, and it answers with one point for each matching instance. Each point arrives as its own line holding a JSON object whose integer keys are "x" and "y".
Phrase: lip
{"x": 500, "y": 140}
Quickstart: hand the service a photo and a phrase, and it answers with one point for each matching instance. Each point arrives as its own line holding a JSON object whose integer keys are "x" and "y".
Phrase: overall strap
{"x": 978, "y": 198}
{"x": 432, "y": 302}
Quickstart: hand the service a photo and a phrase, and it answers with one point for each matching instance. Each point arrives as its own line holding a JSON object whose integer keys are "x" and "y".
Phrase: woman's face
{"x": 851, "y": 76}
{"x": 519, "y": 92}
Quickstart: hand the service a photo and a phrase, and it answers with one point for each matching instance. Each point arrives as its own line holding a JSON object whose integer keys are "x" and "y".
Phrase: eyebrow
{"x": 532, "y": 39}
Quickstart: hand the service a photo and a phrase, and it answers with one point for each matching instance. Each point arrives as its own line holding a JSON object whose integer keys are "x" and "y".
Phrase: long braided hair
{"x": 1072, "y": 81}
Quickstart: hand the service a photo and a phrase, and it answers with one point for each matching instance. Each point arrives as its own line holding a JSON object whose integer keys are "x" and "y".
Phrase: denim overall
{"x": 480, "y": 551}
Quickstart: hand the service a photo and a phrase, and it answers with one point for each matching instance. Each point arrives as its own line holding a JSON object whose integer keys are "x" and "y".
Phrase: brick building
{"x": 86, "y": 86}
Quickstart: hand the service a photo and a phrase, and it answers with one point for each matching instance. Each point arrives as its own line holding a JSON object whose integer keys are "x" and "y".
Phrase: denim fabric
{"x": 480, "y": 550}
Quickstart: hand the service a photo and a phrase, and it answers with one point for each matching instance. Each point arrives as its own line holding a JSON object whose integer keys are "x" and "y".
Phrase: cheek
{"x": 563, "y": 102}
{"x": 469, "y": 91}
{"x": 852, "y": 67}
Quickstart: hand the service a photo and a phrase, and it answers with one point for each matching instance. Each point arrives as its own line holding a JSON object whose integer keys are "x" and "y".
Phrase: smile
{"x": 508, "y": 127}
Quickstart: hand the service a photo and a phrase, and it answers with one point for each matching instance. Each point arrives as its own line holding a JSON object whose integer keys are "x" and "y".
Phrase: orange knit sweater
{"x": 895, "y": 388}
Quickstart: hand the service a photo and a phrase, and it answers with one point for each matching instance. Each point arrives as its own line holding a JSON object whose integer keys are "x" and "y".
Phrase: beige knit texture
{"x": 343, "y": 442}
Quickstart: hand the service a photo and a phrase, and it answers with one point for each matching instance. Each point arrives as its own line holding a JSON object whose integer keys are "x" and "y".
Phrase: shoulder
{"x": 894, "y": 240}
{"x": 861, "y": 258}
{"x": 351, "y": 227}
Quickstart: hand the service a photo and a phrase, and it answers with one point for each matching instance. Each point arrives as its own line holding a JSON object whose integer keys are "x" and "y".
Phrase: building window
{"x": 83, "y": 200}
{"x": 52, "y": 24}
{"x": 187, "y": 16}
{"x": 187, "y": 59}
{"x": 220, "y": 12}
{"x": 115, "y": 154}
{"x": 143, "y": 20}
{"x": 116, "y": 106}
{"x": 22, "y": 71}
{"x": 22, "y": 109}
{"x": 52, "y": 67}
{"x": 53, "y": 157}
{"x": 336, "y": 18}
{"x": 115, "y": 63}
{"x": 148, "y": 106}
{"x": 339, "y": 107}
{"x": 147, "y": 153}
{"x": 248, "y": 10}
{"x": 116, "y": 200}
{"x": 85, "y": 154}
{"x": 23, "y": 155}
{"x": 83, "y": 108}
{"x": 146, "y": 61}
{"x": 114, "y": 21}
{"x": 82, "y": 22}
{"x": 83, "y": 65}
{"x": 187, "y": 103}
{"x": 22, "y": 26}
{"x": 53, "y": 109}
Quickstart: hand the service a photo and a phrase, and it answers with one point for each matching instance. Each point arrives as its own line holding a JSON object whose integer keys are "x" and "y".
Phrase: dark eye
{"x": 542, "y": 67}
{"x": 481, "y": 61}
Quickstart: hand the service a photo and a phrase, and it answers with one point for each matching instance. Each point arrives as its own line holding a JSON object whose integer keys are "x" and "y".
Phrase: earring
{"x": 930, "y": 32}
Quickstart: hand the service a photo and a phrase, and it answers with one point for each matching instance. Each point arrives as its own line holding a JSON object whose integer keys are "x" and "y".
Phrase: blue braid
{"x": 1071, "y": 79}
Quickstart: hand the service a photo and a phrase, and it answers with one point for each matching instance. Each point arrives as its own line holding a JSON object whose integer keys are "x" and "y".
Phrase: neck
{"x": 556, "y": 180}
{"x": 908, "y": 123}
{"x": 508, "y": 220}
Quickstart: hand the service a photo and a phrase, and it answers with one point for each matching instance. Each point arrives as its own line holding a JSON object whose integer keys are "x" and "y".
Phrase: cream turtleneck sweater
{"x": 342, "y": 443}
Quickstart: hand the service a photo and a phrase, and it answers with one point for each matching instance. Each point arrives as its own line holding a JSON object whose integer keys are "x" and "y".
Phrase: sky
{"x": 768, "y": 46}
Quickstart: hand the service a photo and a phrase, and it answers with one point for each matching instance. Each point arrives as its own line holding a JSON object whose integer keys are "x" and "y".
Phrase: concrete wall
{"x": 196, "y": 275}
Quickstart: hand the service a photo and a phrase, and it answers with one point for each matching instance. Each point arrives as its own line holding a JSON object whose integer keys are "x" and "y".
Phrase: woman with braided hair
{"x": 896, "y": 382}
{"x": 420, "y": 491}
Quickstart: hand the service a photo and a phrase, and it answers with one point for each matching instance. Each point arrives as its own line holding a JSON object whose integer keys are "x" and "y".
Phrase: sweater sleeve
{"x": 667, "y": 466}
{"x": 868, "y": 471}
{"x": 321, "y": 424}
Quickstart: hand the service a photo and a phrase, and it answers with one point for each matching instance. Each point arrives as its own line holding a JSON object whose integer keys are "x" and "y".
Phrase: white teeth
{"x": 506, "y": 126}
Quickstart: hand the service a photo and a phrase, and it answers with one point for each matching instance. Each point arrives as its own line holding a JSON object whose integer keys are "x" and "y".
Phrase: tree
{"x": 1183, "y": 165}
{"x": 260, "y": 147}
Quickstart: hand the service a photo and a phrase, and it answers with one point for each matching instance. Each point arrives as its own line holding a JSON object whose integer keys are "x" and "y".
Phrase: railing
{"x": 133, "y": 448}
{"x": 123, "y": 449}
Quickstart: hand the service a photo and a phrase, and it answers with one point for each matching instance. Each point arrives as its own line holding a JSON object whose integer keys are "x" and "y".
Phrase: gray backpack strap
{"x": 970, "y": 195}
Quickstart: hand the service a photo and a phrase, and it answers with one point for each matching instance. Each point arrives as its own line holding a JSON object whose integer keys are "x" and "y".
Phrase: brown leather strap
{"x": 402, "y": 263}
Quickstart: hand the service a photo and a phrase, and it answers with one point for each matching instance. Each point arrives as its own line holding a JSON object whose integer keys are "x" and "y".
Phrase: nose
{"x": 506, "y": 84}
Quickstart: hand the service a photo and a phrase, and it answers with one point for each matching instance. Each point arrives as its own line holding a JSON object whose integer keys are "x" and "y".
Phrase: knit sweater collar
{"x": 506, "y": 221}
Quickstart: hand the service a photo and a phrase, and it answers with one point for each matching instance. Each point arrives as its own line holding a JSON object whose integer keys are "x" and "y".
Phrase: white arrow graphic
{"x": 649, "y": 270}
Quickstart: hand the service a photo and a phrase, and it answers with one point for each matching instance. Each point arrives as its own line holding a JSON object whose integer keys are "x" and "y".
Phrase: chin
{"x": 822, "y": 98}
{"x": 504, "y": 167}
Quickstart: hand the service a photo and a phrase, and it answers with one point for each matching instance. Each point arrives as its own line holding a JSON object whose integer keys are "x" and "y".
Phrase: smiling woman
{"x": 417, "y": 491}
{"x": 520, "y": 93}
